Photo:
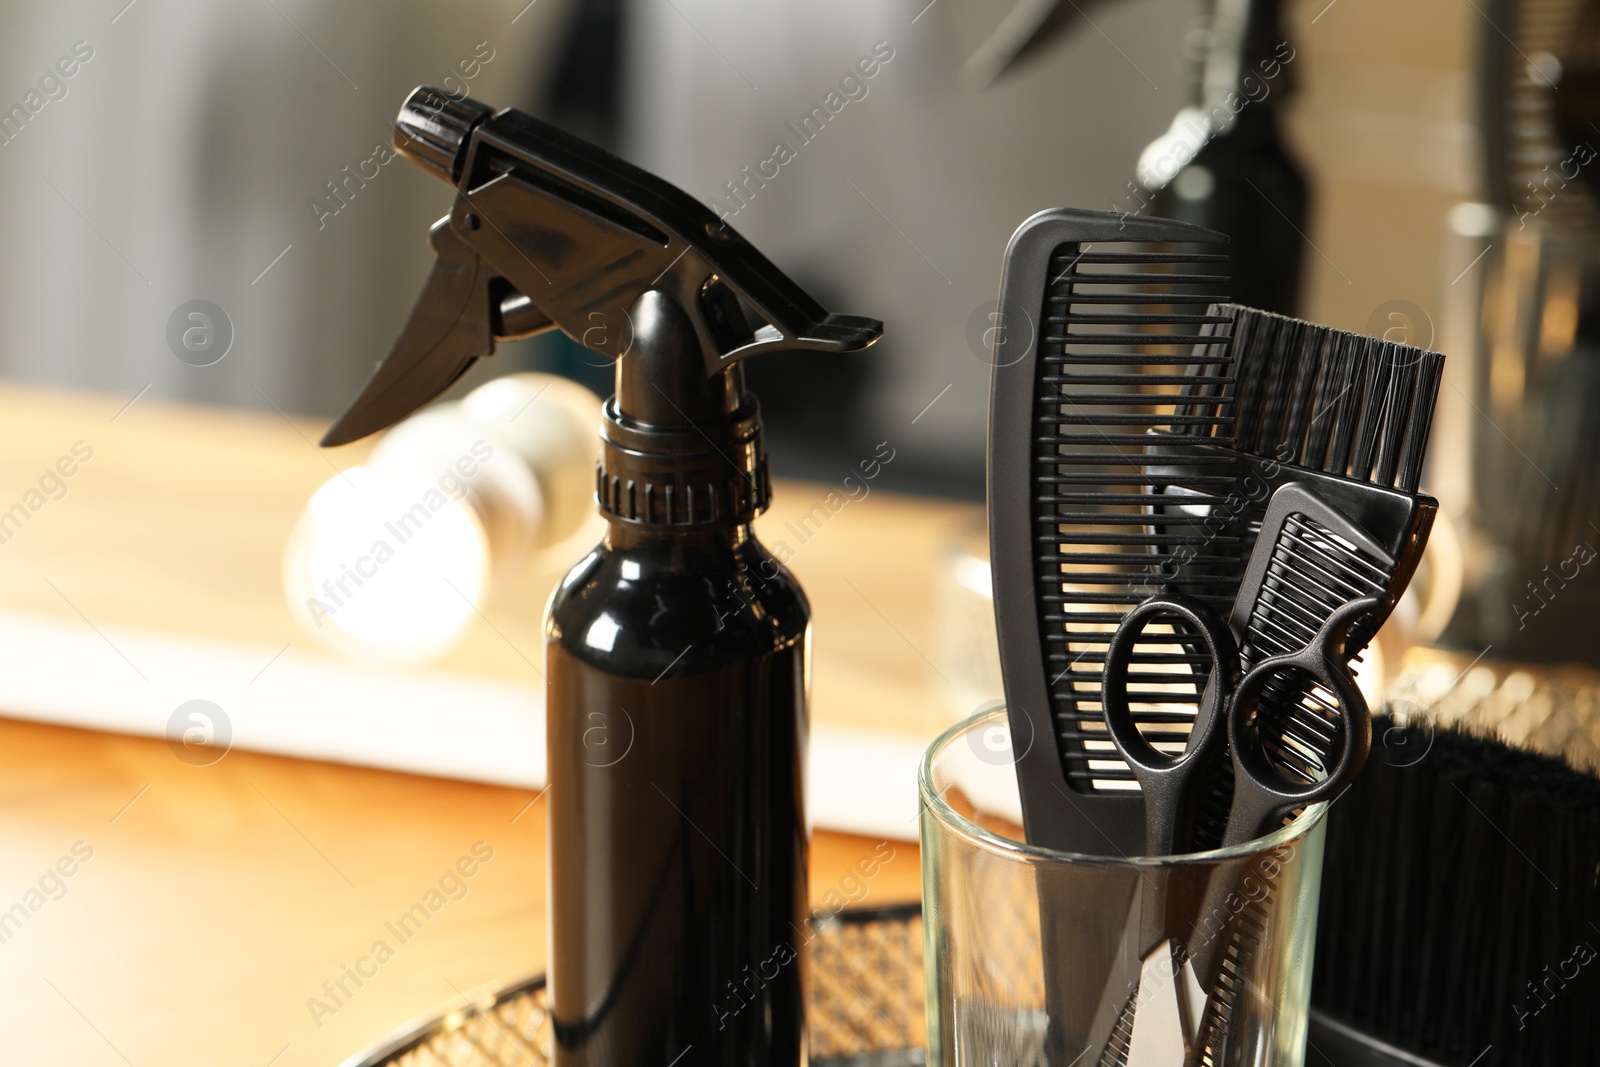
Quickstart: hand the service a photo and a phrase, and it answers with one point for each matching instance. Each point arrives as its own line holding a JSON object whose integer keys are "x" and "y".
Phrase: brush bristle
{"x": 1460, "y": 915}
{"x": 1312, "y": 396}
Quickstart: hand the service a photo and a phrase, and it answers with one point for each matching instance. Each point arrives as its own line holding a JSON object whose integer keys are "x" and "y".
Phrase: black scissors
{"x": 1313, "y": 575}
{"x": 1262, "y": 792}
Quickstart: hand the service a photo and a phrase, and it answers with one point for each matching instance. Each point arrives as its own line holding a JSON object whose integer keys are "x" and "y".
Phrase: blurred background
{"x": 192, "y": 159}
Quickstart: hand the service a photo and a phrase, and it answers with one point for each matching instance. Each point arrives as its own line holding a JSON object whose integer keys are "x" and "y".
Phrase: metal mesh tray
{"x": 865, "y": 1009}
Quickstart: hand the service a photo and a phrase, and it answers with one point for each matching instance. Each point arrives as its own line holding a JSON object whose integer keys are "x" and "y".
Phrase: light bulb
{"x": 390, "y": 562}
{"x": 387, "y": 567}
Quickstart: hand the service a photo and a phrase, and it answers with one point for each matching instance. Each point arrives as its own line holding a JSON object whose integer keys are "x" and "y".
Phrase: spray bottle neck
{"x": 661, "y": 377}
{"x": 629, "y": 536}
{"x": 679, "y": 451}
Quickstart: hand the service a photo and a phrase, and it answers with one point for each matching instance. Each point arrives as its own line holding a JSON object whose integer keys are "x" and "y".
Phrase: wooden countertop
{"x": 206, "y": 906}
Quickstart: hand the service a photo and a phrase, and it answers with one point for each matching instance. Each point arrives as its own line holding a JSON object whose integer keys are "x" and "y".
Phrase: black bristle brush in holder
{"x": 1460, "y": 916}
{"x": 1346, "y": 420}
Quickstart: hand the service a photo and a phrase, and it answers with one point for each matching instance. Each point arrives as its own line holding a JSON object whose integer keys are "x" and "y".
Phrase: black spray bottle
{"x": 677, "y": 649}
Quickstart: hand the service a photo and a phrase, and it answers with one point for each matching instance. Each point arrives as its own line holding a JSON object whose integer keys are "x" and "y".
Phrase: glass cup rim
{"x": 931, "y": 799}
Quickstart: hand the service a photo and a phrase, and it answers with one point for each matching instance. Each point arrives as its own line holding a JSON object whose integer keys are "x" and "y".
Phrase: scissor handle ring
{"x": 1141, "y": 756}
{"x": 1323, "y": 660}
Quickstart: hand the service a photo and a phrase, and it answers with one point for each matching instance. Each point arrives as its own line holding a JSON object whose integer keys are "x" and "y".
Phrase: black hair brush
{"x": 1460, "y": 917}
{"x": 1347, "y": 418}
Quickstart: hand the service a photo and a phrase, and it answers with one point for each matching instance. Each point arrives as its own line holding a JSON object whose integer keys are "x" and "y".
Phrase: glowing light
{"x": 386, "y": 568}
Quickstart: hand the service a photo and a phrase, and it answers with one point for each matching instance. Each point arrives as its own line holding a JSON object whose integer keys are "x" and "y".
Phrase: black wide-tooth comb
{"x": 1108, "y": 335}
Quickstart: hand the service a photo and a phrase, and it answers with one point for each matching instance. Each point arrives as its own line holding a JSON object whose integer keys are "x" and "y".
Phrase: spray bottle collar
{"x": 703, "y": 477}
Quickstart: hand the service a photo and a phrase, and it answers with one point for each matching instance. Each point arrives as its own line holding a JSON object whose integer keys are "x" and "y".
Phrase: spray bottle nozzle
{"x": 548, "y": 231}
{"x": 433, "y": 129}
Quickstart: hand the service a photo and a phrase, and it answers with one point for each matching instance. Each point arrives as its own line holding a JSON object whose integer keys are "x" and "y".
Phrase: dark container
{"x": 677, "y": 733}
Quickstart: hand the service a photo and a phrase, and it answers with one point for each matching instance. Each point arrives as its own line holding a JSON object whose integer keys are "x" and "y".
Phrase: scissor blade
{"x": 1159, "y": 1036}
{"x": 449, "y": 329}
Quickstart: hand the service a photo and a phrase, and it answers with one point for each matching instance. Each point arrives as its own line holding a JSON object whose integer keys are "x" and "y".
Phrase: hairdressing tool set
{"x": 1199, "y": 516}
{"x": 1136, "y": 449}
{"x": 677, "y": 728}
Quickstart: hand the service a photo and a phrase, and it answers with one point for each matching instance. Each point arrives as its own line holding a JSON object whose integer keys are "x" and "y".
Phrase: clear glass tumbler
{"x": 1037, "y": 957}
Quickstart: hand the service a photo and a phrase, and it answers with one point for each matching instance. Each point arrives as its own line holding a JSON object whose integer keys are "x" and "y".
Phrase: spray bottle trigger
{"x": 449, "y": 329}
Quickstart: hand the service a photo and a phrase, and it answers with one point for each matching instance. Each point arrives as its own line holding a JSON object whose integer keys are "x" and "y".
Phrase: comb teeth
{"x": 1232, "y": 984}
{"x": 1121, "y": 1044}
{"x": 1329, "y": 400}
{"x": 1133, "y": 341}
{"x": 1311, "y": 575}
